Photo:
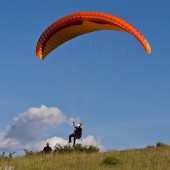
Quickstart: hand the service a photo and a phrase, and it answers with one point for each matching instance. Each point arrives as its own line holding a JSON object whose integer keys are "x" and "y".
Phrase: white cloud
{"x": 90, "y": 140}
{"x": 28, "y": 126}
{"x": 8, "y": 144}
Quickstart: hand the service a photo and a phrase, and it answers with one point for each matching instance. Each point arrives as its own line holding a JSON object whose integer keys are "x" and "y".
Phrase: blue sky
{"x": 103, "y": 79}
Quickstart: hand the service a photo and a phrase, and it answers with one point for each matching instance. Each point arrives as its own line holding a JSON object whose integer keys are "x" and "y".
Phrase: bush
{"x": 110, "y": 161}
{"x": 160, "y": 144}
{"x": 89, "y": 149}
{"x": 63, "y": 149}
{"x": 76, "y": 148}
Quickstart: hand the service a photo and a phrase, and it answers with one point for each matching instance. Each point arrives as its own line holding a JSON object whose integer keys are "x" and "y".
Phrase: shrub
{"x": 160, "y": 144}
{"x": 63, "y": 149}
{"x": 76, "y": 148}
{"x": 110, "y": 161}
{"x": 89, "y": 149}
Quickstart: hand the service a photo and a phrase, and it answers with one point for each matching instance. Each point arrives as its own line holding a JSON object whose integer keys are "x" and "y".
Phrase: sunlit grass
{"x": 150, "y": 158}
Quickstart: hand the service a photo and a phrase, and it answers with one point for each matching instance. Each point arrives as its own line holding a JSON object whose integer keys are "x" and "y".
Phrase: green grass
{"x": 150, "y": 158}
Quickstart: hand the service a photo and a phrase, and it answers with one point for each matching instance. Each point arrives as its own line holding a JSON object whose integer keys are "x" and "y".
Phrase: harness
{"x": 78, "y": 132}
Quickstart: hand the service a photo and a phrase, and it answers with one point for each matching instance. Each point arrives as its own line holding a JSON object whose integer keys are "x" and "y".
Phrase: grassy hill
{"x": 150, "y": 158}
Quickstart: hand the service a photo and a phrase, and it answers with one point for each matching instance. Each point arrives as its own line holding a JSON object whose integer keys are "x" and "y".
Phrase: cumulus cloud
{"x": 29, "y": 125}
{"x": 8, "y": 144}
{"x": 90, "y": 140}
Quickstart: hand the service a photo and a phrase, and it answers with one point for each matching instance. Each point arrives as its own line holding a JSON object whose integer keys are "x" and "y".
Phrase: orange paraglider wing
{"x": 80, "y": 23}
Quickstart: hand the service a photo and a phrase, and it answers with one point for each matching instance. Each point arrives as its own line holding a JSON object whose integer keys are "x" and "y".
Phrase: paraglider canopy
{"x": 73, "y": 25}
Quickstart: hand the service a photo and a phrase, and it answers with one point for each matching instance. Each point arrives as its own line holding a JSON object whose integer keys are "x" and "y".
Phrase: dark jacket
{"x": 47, "y": 149}
{"x": 78, "y": 132}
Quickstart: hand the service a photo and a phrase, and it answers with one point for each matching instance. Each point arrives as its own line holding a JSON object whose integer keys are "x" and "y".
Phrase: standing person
{"x": 47, "y": 149}
{"x": 77, "y": 133}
